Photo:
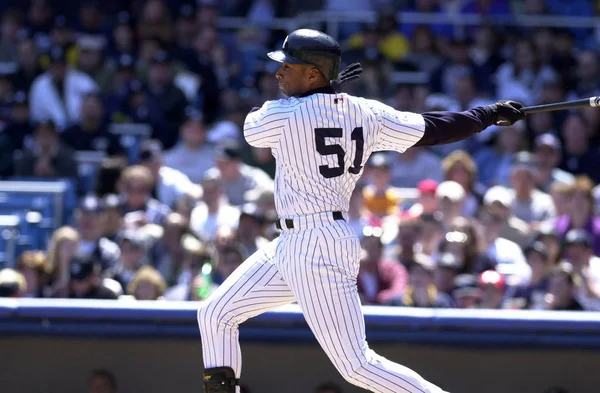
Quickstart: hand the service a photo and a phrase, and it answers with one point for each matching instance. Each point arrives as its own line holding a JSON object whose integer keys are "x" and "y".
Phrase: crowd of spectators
{"x": 506, "y": 219}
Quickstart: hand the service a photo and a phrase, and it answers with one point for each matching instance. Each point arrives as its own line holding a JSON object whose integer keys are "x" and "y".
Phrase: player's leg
{"x": 255, "y": 287}
{"x": 322, "y": 269}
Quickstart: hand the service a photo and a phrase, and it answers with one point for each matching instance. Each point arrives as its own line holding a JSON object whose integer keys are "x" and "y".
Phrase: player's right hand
{"x": 507, "y": 113}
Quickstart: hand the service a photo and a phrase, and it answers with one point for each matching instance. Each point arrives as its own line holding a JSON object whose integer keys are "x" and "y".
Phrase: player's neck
{"x": 323, "y": 88}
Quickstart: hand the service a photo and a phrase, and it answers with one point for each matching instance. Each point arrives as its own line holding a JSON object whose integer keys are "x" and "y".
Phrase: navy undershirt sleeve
{"x": 447, "y": 127}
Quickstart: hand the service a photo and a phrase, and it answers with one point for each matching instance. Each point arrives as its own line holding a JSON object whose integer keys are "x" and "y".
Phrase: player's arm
{"x": 263, "y": 125}
{"x": 401, "y": 130}
{"x": 448, "y": 127}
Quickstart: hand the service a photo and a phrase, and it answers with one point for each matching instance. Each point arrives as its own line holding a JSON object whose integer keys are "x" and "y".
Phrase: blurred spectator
{"x": 498, "y": 200}
{"x": 379, "y": 280}
{"x": 91, "y": 133}
{"x": 123, "y": 36}
{"x": 250, "y": 228}
{"x": 147, "y": 284}
{"x": 506, "y": 254}
{"x": 58, "y": 93}
{"x": 92, "y": 61}
{"x": 192, "y": 155}
{"x": 414, "y": 165}
{"x": 170, "y": 251}
{"x": 108, "y": 174}
{"x": 169, "y": 184}
{"x": 460, "y": 167}
{"x": 185, "y": 28}
{"x": 132, "y": 247}
{"x": 214, "y": 212}
{"x": 328, "y": 387}
{"x": 170, "y": 98}
{"x": 358, "y": 216}
{"x": 547, "y": 235}
{"x": 484, "y": 53}
{"x": 579, "y": 253}
{"x": 528, "y": 203}
{"x": 191, "y": 198}
{"x": 61, "y": 249}
{"x": 39, "y": 20}
{"x": 386, "y": 38}
{"x": 380, "y": 198}
{"x": 581, "y": 213}
{"x": 229, "y": 258}
{"x": 561, "y": 196}
{"x": 522, "y": 78}
{"x": 89, "y": 217}
{"x": 113, "y": 222}
{"x": 103, "y": 381}
{"x": 426, "y": 202}
{"x": 560, "y": 294}
{"x": 447, "y": 269}
{"x": 29, "y": 66}
{"x": 19, "y": 129}
{"x": 10, "y": 24}
{"x": 492, "y": 287}
{"x": 494, "y": 162}
{"x": 406, "y": 241}
{"x": 421, "y": 291}
{"x": 34, "y": 267}
{"x": 450, "y": 197}
{"x": 588, "y": 74}
{"x": 48, "y": 157}
{"x": 466, "y": 292}
{"x": 531, "y": 295}
{"x": 424, "y": 53}
{"x": 579, "y": 158}
{"x": 238, "y": 178}
{"x": 136, "y": 184}
{"x": 12, "y": 283}
{"x": 85, "y": 279}
{"x": 462, "y": 243}
{"x": 91, "y": 19}
{"x": 548, "y": 152}
{"x": 194, "y": 272}
{"x": 156, "y": 22}
{"x": 431, "y": 233}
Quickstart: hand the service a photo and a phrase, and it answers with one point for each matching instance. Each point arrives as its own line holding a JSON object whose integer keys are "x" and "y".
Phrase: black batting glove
{"x": 507, "y": 113}
{"x": 347, "y": 75}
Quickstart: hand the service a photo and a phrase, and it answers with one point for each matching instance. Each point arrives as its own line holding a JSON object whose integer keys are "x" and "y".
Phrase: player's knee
{"x": 211, "y": 315}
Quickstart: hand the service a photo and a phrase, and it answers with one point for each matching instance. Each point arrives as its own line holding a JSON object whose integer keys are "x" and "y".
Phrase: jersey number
{"x": 335, "y": 149}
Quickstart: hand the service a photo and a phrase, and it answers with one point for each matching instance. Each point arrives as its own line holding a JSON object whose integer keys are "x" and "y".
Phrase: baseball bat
{"x": 559, "y": 106}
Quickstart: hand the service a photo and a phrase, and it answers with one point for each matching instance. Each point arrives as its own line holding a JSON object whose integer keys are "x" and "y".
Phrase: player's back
{"x": 321, "y": 143}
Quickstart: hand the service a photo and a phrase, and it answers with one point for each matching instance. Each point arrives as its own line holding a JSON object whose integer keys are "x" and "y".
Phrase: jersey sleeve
{"x": 398, "y": 130}
{"x": 264, "y": 125}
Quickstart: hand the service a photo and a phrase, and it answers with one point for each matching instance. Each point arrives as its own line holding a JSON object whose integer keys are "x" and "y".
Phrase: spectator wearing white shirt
{"x": 506, "y": 254}
{"x": 58, "y": 94}
{"x": 170, "y": 184}
{"x": 529, "y": 204}
{"x": 414, "y": 165}
{"x": 193, "y": 155}
{"x": 214, "y": 212}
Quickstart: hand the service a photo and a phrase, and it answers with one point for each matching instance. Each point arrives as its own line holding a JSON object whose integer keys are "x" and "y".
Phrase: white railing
{"x": 459, "y": 21}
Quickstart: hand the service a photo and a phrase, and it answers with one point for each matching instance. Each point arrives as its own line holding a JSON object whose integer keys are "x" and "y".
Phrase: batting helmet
{"x": 307, "y": 46}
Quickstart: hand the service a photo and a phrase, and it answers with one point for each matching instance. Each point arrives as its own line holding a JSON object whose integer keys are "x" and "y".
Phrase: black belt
{"x": 289, "y": 223}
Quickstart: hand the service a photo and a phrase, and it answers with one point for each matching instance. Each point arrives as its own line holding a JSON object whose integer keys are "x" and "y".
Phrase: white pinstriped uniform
{"x": 320, "y": 143}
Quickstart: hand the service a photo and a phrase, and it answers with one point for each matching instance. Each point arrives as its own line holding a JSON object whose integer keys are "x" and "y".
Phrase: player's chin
{"x": 284, "y": 91}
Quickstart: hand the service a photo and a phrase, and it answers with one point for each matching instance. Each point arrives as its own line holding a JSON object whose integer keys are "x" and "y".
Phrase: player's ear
{"x": 313, "y": 74}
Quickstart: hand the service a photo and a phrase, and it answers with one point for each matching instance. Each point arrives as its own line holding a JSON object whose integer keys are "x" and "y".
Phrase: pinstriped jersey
{"x": 321, "y": 143}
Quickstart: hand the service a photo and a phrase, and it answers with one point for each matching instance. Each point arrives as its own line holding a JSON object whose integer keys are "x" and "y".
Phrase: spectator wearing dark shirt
{"x": 29, "y": 66}
{"x": 447, "y": 269}
{"x": 48, "y": 157}
{"x": 421, "y": 291}
{"x": 579, "y": 157}
{"x": 85, "y": 279}
{"x": 170, "y": 98}
{"x": 92, "y": 133}
{"x": 531, "y": 294}
{"x": 561, "y": 289}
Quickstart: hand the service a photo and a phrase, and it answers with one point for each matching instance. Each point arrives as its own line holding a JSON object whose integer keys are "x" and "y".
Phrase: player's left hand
{"x": 507, "y": 113}
{"x": 347, "y": 75}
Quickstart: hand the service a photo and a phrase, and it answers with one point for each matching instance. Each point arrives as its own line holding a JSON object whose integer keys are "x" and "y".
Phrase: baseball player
{"x": 321, "y": 140}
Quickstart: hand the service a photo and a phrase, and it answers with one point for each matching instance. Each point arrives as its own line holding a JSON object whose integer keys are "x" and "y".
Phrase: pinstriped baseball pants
{"x": 317, "y": 267}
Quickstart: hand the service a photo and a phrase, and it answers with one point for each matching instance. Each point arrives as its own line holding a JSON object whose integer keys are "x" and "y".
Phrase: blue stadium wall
{"x": 50, "y": 346}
